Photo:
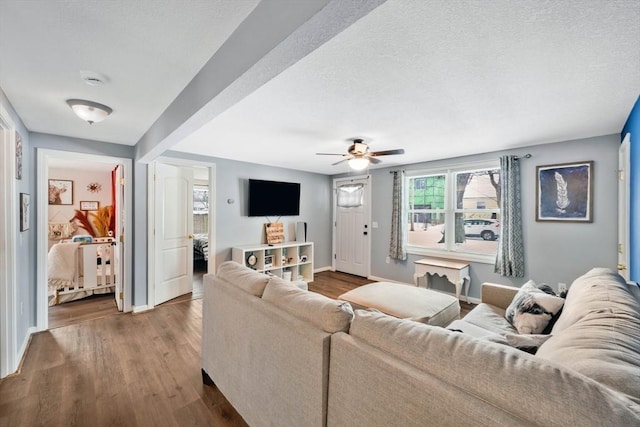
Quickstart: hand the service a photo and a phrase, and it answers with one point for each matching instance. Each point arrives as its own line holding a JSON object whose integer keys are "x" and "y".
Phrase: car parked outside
{"x": 488, "y": 229}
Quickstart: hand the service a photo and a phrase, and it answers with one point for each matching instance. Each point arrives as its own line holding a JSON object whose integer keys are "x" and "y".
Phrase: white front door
{"x": 173, "y": 231}
{"x": 623, "y": 208}
{"x": 352, "y": 226}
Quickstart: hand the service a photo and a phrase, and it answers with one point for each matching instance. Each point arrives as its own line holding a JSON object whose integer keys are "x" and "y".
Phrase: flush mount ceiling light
{"x": 90, "y": 111}
{"x": 358, "y": 163}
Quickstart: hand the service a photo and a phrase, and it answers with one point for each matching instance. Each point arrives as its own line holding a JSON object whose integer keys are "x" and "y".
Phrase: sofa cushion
{"x": 598, "y": 333}
{"x": 532, "y": 309}
{"x": 491, "y": 318}
{"x": 326, "y": 313}
{"x": 243, "y": 277}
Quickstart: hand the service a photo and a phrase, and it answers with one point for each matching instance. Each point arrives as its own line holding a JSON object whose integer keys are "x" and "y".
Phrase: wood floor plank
{"x": 127, "y": 370}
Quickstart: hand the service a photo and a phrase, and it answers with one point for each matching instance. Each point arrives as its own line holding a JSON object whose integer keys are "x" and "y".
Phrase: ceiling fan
{"x": 360, "y": 156}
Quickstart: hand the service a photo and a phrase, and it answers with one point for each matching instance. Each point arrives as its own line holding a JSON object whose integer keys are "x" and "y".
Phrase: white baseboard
{"x": 141, "y": 308}
{"x": 24, "y": 347}
{"x": 321, "y": 269}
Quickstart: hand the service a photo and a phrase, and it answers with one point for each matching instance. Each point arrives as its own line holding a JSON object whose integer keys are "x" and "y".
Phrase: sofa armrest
{"x": 498, "y": 295}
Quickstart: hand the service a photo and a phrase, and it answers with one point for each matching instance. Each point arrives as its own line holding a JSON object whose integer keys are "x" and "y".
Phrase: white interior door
{"x": 118, "y": 250}
{"x": 352, "y": 230}
{"x": 623, "y": 208}
{"x": 173, "y": 231}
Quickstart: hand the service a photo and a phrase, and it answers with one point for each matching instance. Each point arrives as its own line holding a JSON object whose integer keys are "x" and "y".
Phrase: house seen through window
{"x": 454, "y": 212}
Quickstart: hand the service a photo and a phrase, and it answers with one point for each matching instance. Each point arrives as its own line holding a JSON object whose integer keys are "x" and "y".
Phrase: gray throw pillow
{"x": 533, "y": 308}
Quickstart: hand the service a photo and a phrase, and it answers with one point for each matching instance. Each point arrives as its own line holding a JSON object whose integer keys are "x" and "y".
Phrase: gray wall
{"x": 25, "y": 262}
{"x": 234, "y": 227}
{"x": 555, "y": 252}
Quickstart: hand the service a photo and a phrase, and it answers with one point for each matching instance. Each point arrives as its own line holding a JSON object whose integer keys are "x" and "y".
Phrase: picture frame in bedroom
{"x": 25, "y": 211}
{"x": 564, "y": 192}
{"x": 89, "y": 205}
{"x": 60, "y": 192}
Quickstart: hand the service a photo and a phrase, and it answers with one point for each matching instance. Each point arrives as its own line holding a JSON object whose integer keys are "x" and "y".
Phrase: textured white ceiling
{"x": 442, "y": 79}
{"x": 438, "y": 78}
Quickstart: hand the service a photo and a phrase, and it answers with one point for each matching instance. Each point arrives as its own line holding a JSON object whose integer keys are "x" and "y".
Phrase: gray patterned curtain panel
{"x": 510, "y": 257}
{"x": 398, "y": 247}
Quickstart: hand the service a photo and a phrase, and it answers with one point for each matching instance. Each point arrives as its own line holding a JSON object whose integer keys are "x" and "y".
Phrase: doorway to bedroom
{"x": 82, "y": 238}
{"x": 84, "y": 258}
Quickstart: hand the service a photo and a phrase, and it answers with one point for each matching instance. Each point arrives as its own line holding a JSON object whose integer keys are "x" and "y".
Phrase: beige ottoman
{"x": 405, "y": 302}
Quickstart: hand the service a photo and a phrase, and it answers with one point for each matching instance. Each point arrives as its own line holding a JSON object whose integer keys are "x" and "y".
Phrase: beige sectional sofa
{"x": 288, "y": 357}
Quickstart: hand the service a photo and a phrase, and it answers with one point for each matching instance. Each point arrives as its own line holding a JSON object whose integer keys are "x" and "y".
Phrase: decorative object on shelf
{"x": 25, "y": 211}
{"x": 301, "y": 231}
{"x": 89, "y": 111}
{"x": 252, "y": 259}
{"x": 275, "y": 233}
{"x": 94, "y": 187}
{"x": 18, "y": 156}
{"x": 303, "y": 258}
{"x": 89, "y": 206}
{"x": 286, "y": 275}
{"x": 60, "y": 192}
{"x": 268, "y": 261}
{"x": 564, "y": 192}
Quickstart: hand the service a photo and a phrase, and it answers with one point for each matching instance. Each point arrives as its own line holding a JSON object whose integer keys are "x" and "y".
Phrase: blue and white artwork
{"x": 564, "y": 192}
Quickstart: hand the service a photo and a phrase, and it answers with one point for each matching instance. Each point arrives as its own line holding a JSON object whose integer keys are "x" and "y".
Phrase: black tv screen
{"x": 273, "y": 198}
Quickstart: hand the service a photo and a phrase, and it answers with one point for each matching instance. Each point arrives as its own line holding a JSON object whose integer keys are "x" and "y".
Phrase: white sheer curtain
{"x": 350, "y": 195}
{"x": 398, "y": 246}
{"x": 510, "y": 257}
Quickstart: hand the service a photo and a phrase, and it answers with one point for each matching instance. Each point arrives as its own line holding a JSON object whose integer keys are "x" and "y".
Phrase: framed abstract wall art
{"x": 564, "y": 192}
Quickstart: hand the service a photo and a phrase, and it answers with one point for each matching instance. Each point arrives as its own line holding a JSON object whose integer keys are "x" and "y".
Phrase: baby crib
{"x": 89, "y": 266}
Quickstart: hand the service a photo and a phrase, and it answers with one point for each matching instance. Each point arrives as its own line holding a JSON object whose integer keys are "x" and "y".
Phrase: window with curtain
{"x": 454, "y": 213}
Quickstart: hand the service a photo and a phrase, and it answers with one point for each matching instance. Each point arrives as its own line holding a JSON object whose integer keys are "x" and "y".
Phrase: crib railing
{"x": 95, "y": 266}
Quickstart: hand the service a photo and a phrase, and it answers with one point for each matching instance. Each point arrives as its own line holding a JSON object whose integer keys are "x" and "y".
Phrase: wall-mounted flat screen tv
{"x": 273, "y": 198}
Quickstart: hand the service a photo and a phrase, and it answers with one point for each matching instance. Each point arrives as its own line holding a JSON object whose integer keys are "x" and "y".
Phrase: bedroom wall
{"x": 555, "y": 252}
{"x": 80, "y": 179}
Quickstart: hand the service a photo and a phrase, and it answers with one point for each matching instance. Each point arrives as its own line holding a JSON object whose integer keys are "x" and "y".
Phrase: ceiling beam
{"x": 275, "y": 35}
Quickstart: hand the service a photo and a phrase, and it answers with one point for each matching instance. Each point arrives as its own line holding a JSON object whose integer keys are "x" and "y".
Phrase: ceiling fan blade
{"x": 374, "y": 160}
{"x": 343, "y": 160}
{"x": 387, "y": 152}
{"x": 330, "y": 154}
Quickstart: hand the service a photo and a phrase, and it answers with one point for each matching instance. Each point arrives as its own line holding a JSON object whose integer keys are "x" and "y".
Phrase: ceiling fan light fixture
{"x": 358, "y": 163}
{"x": 89, "y": 111}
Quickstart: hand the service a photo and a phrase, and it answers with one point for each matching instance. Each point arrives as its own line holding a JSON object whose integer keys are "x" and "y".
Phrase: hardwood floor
{"x": 93, "y": 307}
{"x": 127, "y": 370}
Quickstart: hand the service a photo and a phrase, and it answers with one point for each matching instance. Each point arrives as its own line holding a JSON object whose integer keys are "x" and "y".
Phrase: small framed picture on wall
{"x": 89, "y": 206}
{"x": 60, "y": 192}
{"x": 25, "y": 211}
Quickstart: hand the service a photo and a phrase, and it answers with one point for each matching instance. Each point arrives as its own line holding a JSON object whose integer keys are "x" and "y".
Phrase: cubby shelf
{"x": 279, "y": 259}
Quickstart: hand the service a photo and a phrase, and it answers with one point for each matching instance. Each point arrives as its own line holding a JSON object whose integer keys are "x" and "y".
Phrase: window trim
{"x": 450, "y": 210}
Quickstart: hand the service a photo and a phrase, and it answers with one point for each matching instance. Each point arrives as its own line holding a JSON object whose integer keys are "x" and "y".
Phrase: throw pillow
{"x": 533, "y": 308}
